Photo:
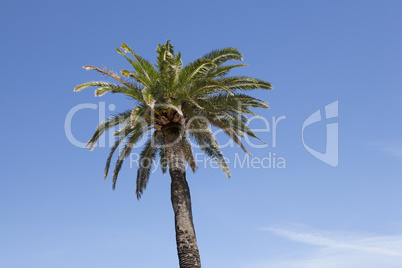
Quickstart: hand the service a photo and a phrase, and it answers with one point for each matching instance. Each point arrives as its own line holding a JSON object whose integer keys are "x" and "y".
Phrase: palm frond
{"x": 162, "y": 156}
{"x": 207, "y": 141}
{"x": 189, "y": 154}
{"x": 108, "y": 73}
{"x": 94, "y": 84}
{"x": 195, "y": 95}
{"x": 124, "y": 133}
{"x": 145, "y": 66}
{"x": 195, "y": 69}
{"x": 112, "y": 121}
{"x": 207, "y": 87}
{"x": 135, "y": 135}
{"x": 220, "y": 56}
{"x": 244, "y": 83}
{"x": 239, "y": 125}
{"x": 223, "y": 70}
{"x": 229, "y": 131}
{"x": 147, "y": 157}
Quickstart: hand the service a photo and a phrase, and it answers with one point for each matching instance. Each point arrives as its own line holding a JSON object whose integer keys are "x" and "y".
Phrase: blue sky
{"x": 56, "y": 210}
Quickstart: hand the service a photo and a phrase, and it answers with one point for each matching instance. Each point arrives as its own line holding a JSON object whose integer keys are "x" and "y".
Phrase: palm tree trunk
{"x": 187, "y": 248}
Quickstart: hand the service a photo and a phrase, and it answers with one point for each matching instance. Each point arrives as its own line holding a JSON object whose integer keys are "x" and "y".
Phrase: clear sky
{"x": 57, "y": 211}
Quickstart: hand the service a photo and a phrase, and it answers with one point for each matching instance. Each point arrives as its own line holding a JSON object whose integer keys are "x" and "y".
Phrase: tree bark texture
{"x": 187, "y": 248}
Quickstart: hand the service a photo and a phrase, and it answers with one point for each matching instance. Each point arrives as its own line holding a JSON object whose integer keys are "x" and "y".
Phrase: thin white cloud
{"x": 394, "y": 151}
{"x": 390, "y": 148}
{"x": 381, "y": 245}
{"x": 336, "y": 250}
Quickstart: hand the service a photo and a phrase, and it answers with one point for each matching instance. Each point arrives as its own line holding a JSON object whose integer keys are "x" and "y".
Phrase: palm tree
{"x": 174, "y": 105}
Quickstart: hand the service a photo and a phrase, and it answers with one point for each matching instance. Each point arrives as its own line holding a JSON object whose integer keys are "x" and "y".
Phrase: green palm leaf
{"x": 207, "y": 141}
{"x": 147, "y": 157}
{"x": 191, "y": 96}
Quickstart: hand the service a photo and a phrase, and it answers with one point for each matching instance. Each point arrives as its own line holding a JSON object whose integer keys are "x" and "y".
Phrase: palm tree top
{"x": 169, "y": 96}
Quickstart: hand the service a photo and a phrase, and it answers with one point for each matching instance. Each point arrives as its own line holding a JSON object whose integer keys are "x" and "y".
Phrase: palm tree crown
{"x": 167, "y": 95}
